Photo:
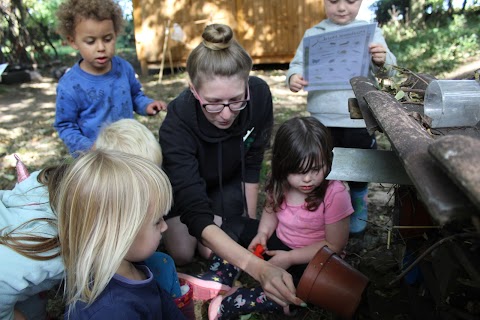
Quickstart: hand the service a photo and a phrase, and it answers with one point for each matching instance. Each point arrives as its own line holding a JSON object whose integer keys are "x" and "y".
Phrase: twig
{"x": 430, "y": 249}
{"x": 416, "y": 227}
{"x": 407, "y": 71}
{"x": 405, "y": 89}
{"x": 412, "y": 102}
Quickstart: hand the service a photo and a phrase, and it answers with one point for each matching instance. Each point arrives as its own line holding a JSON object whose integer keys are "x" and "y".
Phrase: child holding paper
{"x": 331, "y": 106}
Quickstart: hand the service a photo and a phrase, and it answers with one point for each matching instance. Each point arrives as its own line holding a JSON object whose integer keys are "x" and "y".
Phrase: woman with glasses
{"x": 213, "y": 140}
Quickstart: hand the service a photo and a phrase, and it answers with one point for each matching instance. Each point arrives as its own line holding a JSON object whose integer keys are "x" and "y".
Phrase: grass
{"x": 440, "y": 47}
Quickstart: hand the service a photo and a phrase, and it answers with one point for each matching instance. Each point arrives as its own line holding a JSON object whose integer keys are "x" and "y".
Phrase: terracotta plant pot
{"x": 331, "y": 283}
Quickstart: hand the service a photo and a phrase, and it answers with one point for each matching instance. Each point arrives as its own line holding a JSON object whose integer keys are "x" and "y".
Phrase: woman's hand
{"x": 278, "y": 285}
{"x": 276, "y": 282}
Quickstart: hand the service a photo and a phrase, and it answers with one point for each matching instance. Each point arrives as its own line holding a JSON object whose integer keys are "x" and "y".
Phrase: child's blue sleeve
{"x": 66, "y": 123}
{"x": 165, "y": 273}
{"x": 139, "y": 99}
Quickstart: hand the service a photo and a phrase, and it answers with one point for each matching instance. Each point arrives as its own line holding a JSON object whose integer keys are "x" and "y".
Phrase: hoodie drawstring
{"x": 244, "y": 196}
{"x": 220, "y": 177}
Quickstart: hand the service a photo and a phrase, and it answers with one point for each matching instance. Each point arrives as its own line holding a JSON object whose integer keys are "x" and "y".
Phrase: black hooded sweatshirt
{"x": 197, "y": 156}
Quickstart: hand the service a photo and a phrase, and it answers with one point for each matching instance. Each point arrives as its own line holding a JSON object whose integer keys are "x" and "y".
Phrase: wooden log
{"x": 459, "y": 156}
{"x": 443, "y": 199}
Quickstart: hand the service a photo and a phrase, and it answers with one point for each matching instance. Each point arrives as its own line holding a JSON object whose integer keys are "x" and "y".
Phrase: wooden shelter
{"x": 270, "y": 30}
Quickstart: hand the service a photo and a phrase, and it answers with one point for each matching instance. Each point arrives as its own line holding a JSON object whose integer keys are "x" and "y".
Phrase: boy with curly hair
{"x": 101, "y": 87}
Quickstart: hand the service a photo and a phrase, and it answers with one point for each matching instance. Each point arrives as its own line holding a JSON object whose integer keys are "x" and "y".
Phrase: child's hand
{"x": 155, "y": 107}
{"x": 280, "y": 258}
{"x": 296, "y": 82}
{"x": 260, "y": 239}
{"x": 379, "y": 53}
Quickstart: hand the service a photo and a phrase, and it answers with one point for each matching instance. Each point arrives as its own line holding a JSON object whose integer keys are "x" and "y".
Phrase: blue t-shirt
{"x": 85, "y": 102}
{"x": 128, "y": 299}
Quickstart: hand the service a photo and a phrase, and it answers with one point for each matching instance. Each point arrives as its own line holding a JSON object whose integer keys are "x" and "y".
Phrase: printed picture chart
{"x": 331, "y": 59}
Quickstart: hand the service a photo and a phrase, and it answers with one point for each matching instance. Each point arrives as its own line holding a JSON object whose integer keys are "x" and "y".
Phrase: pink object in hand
{"x": 22, "y": 172}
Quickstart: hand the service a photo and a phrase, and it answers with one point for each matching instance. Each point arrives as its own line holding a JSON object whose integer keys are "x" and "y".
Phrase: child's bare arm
{"x": 336, "y": 234}
{"x": 268, "y": 224}
{"x": 297, "y": 82}
{"x": 336, "y": 238}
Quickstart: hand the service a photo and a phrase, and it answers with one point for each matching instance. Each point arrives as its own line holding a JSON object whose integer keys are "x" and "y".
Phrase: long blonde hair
{"x": 102, "y": 202}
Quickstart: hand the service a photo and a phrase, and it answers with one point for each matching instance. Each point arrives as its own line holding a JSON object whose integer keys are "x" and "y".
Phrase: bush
{"x": 440, "y": 47}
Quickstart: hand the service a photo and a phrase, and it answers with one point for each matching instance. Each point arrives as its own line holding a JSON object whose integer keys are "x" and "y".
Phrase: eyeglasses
{"x": 217, "y": 107}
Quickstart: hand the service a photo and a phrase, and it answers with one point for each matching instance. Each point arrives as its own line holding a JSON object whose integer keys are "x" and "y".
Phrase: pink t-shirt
{"x": 298, "y": 227}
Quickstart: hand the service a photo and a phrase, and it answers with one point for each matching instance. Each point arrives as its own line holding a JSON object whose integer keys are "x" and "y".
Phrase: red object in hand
{"x": 259, "y": 251}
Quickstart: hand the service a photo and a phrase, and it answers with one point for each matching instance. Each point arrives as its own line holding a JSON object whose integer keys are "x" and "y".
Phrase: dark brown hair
{"x": 71, "y": 11}
{"x": 301, "y": 144}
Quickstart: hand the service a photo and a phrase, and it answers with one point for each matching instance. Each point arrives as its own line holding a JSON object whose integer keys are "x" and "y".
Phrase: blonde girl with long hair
{"x": 110, "y": 208}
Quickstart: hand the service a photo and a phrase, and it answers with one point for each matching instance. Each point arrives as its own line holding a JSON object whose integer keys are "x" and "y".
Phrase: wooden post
{"x": 170, "y": 60}
{"x": 144, "y": 67}
{"x": 137, "y": 22}
{"x": 165, "y": 46}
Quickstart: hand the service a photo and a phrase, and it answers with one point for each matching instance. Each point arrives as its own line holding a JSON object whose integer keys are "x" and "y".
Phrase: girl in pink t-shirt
{"x": 303, "y": 212}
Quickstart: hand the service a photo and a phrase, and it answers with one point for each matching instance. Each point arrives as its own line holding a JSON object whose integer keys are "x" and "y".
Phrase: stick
{"x": 430, "y": 249}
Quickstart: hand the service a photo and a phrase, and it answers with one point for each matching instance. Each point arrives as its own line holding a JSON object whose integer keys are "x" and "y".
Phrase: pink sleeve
{"x": 338, "y": 204}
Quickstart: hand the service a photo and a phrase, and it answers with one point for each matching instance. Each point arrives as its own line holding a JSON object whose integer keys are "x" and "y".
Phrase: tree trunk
{"x": 18, "y": 35}
{"x": 44, "y": 31}
{"x": 450, "y": 8}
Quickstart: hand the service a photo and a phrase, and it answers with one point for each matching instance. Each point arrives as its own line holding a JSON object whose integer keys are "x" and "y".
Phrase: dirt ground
{"x": 26, "y": 118}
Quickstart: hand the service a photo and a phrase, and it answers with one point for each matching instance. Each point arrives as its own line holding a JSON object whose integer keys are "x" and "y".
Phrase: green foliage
{"x": 383, "y": 9}
{"x": 43, "y": 12}
{"x": 438, "y": 48}
{"x": 28, "y": 31}
{"x": 126, "y": 39}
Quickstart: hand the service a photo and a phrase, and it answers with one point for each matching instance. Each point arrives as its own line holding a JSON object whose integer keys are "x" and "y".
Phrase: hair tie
{"x": 216, "y": 46}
